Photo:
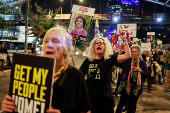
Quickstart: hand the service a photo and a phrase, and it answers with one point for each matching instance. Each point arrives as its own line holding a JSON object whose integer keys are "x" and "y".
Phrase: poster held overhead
{"x": 151, "y": 37}
{"x": 159, "y": 44}
{"x": 145, "y": 46}
{"x": 80, "y": 22}
{"x": 130, "y": 28}
{"x": 118, "y": 43}
{"x": 31, "y": 82}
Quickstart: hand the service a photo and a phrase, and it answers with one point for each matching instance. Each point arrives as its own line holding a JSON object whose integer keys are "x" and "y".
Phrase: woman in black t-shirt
{"x": 96, "y": 69}
{"x": 69, "y": 88}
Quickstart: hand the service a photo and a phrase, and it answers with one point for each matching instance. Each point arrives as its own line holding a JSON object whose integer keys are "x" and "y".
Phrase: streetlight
{"x": 159, "y": 19}
{"x": 61, "y": 0}
{"x": 159, "y": 34}
{"x": 81, "y": 0}
{"x": 115, "y": 19}
{"x": 105, "y": 30}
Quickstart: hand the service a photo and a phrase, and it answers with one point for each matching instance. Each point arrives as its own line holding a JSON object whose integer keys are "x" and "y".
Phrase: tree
{"x": 42, "y": 21}
{"x": 5, "y": 10}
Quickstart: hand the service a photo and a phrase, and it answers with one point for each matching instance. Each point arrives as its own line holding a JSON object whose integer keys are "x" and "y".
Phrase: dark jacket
{"x": 3, "y": 51}
{"x": 127, "y": 67}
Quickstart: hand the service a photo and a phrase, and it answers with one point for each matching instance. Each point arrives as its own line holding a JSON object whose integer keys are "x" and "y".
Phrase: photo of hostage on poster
{"x": 151, "y": 37}
{"x": 80, "y": 22}
{"x": 117, "y": 41}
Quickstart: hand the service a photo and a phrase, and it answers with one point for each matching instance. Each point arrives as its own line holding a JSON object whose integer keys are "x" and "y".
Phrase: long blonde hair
{"x": 107, "y": 53}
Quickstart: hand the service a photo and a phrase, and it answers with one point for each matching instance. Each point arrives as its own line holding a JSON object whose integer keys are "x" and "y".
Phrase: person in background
{"x": 3, "y": 51}
{"x": 80, "y": 22}
{"x": 96, "y": 68}
{"x": 146, "y": 56}
{"x": 33, "y": 51}
{"x": 157, "y": 65}
{"x": 167, "y": 68}
{"x": 135, "y": 72}
{"x": 69, "y": 87}
{"x": 120, "y": 76}
{"x": 149, "y": 63}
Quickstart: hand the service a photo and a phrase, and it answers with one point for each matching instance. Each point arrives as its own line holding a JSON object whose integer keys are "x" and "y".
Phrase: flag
{"x": 97, "y": 29}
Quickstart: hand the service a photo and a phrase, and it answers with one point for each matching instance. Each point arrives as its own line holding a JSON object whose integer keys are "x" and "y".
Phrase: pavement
{"x": 157, "y": 101}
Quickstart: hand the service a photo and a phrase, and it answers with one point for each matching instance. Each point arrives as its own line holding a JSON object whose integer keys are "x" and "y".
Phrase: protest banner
{"x": 31, "y": 82}
{"x": 145, "y": 46}
{"x": 130, "y": 28}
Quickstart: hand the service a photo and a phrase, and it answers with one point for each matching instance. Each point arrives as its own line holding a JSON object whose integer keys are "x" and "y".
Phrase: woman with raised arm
{"x": 96, "y": 69}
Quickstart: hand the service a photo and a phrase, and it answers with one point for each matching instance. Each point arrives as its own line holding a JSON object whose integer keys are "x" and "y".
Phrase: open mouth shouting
{"x": 49, "y": 53}
{"x": 99, "y": 48}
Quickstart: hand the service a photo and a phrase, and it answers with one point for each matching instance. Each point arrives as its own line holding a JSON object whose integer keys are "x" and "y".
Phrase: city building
{"x": 16, "y": 32}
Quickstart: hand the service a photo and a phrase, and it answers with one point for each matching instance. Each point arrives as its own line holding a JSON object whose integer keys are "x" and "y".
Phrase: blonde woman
{"x": 69, "y": 88}
{"x": 96, "y": 67}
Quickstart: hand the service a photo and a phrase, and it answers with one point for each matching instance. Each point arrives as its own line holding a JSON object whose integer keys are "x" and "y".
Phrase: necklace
{"x": 60, "y": 71}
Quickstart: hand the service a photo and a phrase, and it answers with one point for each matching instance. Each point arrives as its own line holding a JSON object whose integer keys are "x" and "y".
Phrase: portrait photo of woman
{"x": 80, "y": 22}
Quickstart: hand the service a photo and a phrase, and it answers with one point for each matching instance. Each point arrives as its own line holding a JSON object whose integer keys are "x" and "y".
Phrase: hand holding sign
{"x": 7, "y": 105}
{"x": 51, "y": 110}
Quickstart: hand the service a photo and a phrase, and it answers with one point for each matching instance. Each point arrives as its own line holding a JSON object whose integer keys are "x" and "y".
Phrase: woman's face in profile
{"x": 79, "y": 23}
{"x": 52, "y": 46}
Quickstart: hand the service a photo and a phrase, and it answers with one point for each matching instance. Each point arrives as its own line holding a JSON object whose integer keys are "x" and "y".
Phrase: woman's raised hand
{"x": 7, "y": 105}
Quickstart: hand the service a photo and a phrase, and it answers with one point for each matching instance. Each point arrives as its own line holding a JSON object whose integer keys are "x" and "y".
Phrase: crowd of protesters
{"x": 89, "y": 88}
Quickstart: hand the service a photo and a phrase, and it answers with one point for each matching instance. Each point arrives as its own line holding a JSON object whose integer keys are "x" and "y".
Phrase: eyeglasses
{"x": 102, "y": 43}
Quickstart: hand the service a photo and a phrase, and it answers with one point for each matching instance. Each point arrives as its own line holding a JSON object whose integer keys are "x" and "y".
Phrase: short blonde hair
{"x": 107, "y": 53}
{"x": 66, "y": 39}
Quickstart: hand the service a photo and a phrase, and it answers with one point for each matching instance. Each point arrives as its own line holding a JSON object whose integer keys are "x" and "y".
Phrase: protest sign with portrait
{"x": 80, "y": 22}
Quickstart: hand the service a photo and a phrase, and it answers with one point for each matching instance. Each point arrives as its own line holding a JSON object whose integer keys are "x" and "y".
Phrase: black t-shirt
{"x": 70, "y": 92}
{"x": 98, "y": 76}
